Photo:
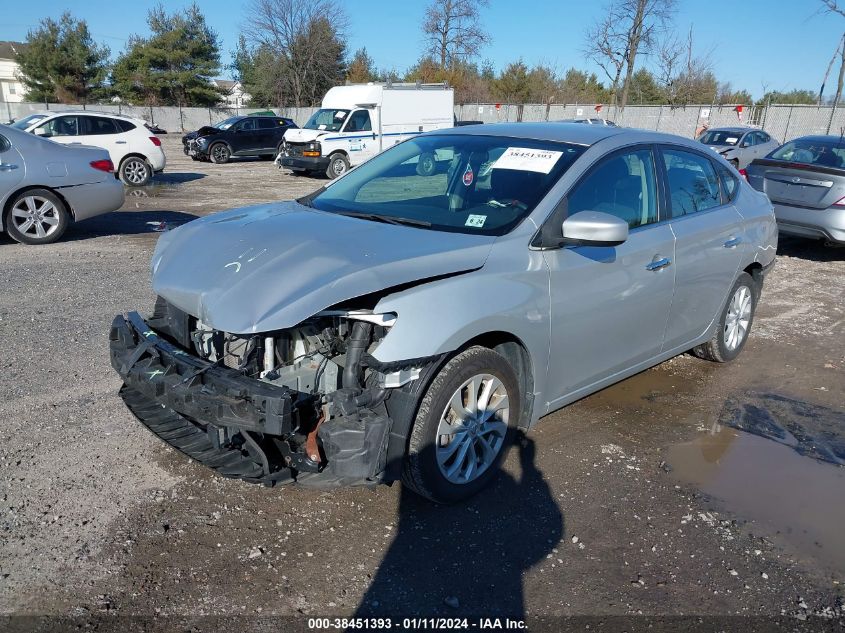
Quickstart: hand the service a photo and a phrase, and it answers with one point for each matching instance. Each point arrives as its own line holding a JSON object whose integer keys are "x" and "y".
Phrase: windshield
{"x": 227, "y": 123}
{"x": 459, "y": 183}
{"x": 721, "y": 137}
{"x": 822, "y": 152}
{"x": 329, "y": 119}
{"x": 25, "y": 122}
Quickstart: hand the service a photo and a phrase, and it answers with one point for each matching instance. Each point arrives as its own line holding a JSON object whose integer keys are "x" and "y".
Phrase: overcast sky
{"x": 776, "y": 44}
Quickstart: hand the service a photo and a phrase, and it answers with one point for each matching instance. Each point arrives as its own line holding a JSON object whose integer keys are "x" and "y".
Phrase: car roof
{"x": 825, "y": 138}
{"x": 575, "y": 133}
{"x": 734, "y": 128}
{"x": 114, "y": 115}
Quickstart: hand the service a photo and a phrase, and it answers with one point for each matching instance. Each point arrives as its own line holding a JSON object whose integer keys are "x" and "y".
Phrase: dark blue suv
{"x": 237, "y": 136}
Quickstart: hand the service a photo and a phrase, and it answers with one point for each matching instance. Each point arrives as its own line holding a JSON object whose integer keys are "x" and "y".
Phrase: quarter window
{"x": 693, "y": 184}
{"x": 730, "y": 184}
{"x": 624, "y": 185}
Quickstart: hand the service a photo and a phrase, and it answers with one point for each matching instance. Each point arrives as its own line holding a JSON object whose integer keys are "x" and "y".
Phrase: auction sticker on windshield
{"x": 476, "y": 221}
{"x": 526, "y": 159}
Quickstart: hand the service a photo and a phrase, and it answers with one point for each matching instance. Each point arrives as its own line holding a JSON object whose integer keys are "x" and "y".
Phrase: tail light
{"x": 744, "y": 174}
{"x": 156, "y": 141}
{"x": 103, "y": 165}
{"x": 839, "y": 203}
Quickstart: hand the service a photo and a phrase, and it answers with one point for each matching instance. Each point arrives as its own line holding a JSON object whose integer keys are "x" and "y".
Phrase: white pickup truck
{"x": 357, "y": 122}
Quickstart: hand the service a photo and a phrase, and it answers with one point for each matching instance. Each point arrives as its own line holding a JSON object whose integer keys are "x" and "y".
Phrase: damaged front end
{"x": 307, "y": 404}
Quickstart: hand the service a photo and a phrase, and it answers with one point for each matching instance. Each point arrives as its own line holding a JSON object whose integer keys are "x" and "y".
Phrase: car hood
{"x": 299, "y": 135}
{"x": 270, "y": 267}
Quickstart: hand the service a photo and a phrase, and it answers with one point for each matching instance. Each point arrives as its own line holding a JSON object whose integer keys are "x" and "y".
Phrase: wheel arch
{"x": 7, "y": 205}
{"x": 132, "y": 155}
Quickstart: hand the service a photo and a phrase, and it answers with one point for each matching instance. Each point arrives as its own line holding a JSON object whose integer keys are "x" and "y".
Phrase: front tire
{"x": 734, "y": 323}
{"x": 338, "y": 165}
{"x": 463, "y": 427}
{"x": 135, "y": 171}
{"x": 37, "y": 216}
{"x": 219, "y": 154}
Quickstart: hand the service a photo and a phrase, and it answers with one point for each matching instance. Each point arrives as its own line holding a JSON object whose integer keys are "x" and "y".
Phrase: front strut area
{"x": 247, "y": 428}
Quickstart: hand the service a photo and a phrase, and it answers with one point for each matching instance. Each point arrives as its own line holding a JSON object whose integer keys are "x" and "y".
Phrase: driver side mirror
{"x": 594, "y": 228}
{"x": 40, "y": 131}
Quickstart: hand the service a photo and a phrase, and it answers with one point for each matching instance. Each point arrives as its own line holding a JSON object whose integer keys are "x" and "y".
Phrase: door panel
{"x": 12, "y": 167}
{"x": 708, "y": 244}
{"x": 608, "y": 310}
{"x": 610, "y": 305}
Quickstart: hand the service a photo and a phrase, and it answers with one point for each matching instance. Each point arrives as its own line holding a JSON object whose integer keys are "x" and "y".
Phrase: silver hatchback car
{"x": 739, "y": 145}
{"x": 403, "y": 323}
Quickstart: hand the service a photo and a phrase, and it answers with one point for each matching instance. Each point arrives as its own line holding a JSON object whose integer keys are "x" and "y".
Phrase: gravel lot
{"x": 595, "y": 515}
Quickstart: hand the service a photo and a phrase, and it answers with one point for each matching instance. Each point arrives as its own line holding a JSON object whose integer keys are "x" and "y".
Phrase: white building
{"x": 11, "y": 88}
{"x": 233, "y": 94}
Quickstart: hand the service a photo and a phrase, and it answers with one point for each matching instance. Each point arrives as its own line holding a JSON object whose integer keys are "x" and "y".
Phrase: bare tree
{"x": 832, "y": 6}
{"x": 307, "y": 36}
{"x": 685, "y": 76}
{"x": 605, "y": 46}
{"x": 628, "y": 29}
{"x": 453, "y": 30}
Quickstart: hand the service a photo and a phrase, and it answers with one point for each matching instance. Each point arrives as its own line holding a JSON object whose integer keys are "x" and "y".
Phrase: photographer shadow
{"x": 468, "y": 560}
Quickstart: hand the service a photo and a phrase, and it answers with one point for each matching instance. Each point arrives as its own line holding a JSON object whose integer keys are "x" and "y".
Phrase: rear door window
{"x": 693, "y": 183}
{"x": 623, "y": 185}
{"x": 267, "y": 124}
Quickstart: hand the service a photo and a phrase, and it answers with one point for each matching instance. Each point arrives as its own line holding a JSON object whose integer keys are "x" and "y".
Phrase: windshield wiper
{"x": 387, "y": 219}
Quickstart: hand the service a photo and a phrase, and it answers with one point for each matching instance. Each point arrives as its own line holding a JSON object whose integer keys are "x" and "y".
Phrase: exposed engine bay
{"x": 307, "y": 403}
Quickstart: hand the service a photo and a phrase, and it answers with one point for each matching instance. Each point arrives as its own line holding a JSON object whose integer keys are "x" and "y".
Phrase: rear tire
{"x": 36, "y": 216}
{"x": 134, "y": 171}
{"x": 734, "y": 323}
{"x": 481, "y": 433}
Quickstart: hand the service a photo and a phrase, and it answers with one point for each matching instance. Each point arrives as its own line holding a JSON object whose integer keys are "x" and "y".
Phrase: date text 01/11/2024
{"x": 422, "y": 624}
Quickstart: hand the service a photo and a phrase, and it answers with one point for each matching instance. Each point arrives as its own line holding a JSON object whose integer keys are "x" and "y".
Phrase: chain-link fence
{"x": 783, "y": 122}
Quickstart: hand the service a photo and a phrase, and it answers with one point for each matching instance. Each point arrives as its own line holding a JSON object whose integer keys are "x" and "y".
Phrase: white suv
{"x": 133, "y": 148}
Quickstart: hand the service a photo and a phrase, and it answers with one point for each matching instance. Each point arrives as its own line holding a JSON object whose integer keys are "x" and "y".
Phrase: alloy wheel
{"x": 472, "y": 429}
{"x": 135, "y": 171}
{"x": 738, "y": 318}
{"x": 35, "y": 216}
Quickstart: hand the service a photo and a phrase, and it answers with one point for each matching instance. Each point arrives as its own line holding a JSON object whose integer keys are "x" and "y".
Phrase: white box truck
{"x": 357, "y": 122}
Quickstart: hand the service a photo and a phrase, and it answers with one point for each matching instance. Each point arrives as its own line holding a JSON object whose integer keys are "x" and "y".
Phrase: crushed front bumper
{"x": 239, "y": 426}
{"x": 194, "y": 387}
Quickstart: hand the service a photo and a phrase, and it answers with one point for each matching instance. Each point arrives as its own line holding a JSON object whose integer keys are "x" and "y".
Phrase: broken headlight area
{"x": 305, "y": 403}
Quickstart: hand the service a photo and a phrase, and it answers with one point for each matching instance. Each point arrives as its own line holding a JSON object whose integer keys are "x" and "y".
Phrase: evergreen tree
{"x": 62, "y": 62}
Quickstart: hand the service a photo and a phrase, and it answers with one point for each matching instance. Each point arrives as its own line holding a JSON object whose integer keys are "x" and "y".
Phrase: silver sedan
{"x": 399, "y": 325}
{"x": 45, "y": 186}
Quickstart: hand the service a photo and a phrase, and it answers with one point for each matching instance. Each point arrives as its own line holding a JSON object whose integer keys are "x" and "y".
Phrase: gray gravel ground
{"x": 98, "y": 517}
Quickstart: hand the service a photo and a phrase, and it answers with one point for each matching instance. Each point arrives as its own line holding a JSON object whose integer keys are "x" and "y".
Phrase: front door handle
{"x": 658, "y": 264}
{"x": 120, "y": 142}
{"x": 7, "y": 167}
{"x": 732, "y": 243}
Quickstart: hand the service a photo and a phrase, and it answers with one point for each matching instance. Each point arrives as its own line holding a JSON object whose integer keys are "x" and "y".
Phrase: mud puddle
{"x": 775, "y": 461}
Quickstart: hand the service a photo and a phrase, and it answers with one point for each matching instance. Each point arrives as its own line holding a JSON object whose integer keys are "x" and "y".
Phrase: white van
{"x": 357, "y": 122}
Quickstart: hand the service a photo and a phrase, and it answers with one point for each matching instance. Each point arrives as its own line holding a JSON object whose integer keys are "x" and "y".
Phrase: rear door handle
{"x": 120, "y": 142}
{"x": 657, "y": 264}
{"x": 7, "y": 167}
{"x": 731, "y": 243}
